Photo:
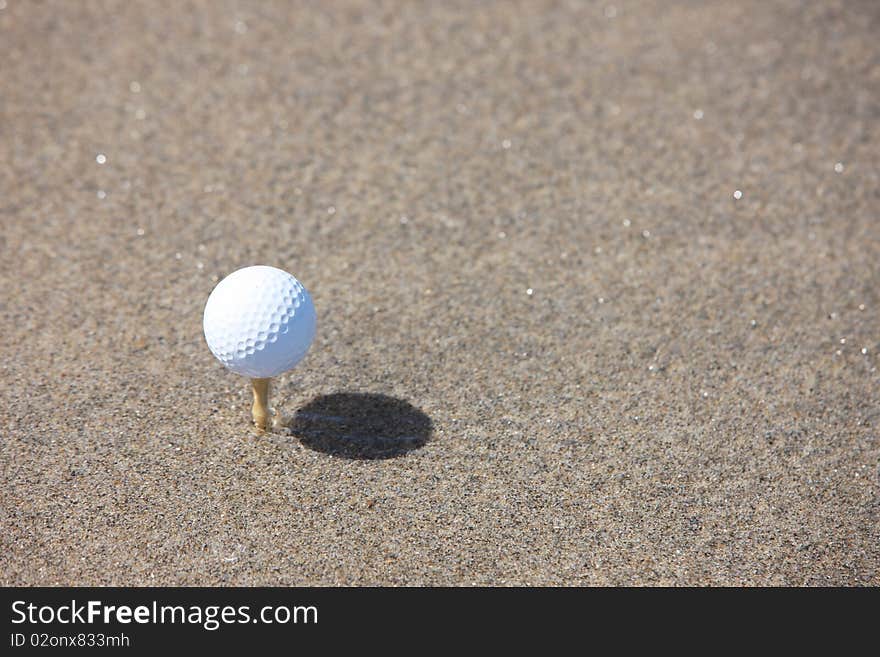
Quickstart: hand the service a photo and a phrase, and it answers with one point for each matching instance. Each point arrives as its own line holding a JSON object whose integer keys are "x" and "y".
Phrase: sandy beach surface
{"x": 598, "y": 288}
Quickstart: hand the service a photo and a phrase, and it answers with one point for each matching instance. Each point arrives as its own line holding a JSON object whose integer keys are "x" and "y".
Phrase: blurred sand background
{"x": 519, "y": 223}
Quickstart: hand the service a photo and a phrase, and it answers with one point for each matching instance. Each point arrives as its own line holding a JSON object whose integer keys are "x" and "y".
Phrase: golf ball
{"x": 259, "y": 321}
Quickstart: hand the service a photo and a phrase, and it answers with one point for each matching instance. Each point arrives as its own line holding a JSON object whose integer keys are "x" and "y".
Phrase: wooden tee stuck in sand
{"x": 260, "y": 409}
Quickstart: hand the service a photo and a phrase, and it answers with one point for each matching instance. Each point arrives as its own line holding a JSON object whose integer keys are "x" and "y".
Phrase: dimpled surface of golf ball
{"x": 259, "y": 321}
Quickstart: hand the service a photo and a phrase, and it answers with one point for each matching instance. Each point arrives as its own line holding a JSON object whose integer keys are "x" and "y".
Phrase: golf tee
{"x": 260, "y": 409}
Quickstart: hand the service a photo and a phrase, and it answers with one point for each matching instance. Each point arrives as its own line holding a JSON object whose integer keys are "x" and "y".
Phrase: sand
{"x": 597, "y": 287}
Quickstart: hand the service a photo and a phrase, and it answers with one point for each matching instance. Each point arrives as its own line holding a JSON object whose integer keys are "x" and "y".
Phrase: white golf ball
{"x": 259, "y": 321}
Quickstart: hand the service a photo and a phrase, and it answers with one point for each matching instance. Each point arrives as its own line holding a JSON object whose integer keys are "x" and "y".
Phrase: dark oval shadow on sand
{"x": 356, "y": 425}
